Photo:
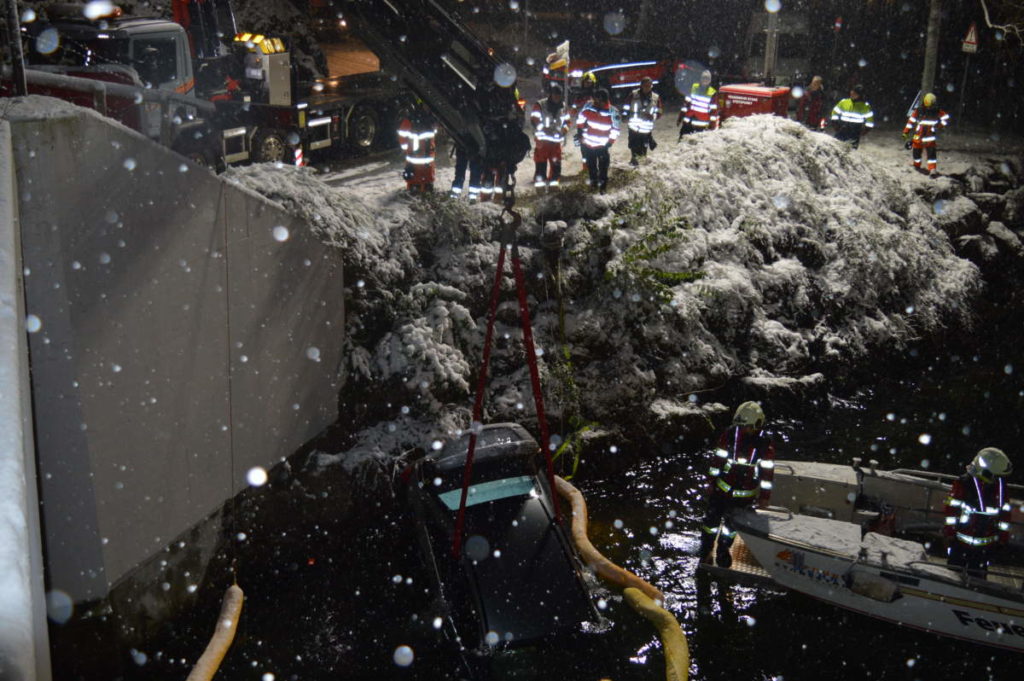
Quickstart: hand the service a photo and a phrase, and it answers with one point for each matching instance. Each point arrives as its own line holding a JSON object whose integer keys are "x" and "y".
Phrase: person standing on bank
{"x": 921, "y": 133}
{"x": 741, "y": 470}
{"x": 978, "y": 511}
{"x": 597, "y": 127}
{"x": 700, "y": 112}
{"x": 642, "y": 108}
{"x": 550, "y": 121}
{"x": 852, "y": 117}
{"x": 811, "y": 109}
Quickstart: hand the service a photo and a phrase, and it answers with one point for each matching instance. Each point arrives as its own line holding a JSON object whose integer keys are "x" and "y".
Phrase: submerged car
{"x": 517, "y": 579}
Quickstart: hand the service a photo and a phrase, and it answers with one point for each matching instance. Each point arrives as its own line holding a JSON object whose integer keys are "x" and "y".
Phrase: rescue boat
{"x": 904, "y": 502}
{"x": 886, "y": 577}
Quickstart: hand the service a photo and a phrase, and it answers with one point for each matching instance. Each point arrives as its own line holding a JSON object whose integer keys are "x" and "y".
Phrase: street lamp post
{"x": 17, "y": 56}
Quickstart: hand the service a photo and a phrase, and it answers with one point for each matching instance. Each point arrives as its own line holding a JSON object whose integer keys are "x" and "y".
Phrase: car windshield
{"x": 492, "y": 490}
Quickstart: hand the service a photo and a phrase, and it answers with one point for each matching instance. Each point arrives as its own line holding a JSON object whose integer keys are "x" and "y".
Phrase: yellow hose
{"x": 223, "y": 635}
{"x": 644, "y": 598}
{"x": 673, "y": 640}
{"x": 604, "y": 568}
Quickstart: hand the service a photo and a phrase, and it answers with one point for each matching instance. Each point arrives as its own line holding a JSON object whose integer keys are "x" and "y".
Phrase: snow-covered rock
{"x": 762, "y": 256}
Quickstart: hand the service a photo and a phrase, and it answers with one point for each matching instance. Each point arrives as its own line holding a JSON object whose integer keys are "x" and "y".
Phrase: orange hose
{"x": 604, "y": 568}
{"x": 223, "y": 635}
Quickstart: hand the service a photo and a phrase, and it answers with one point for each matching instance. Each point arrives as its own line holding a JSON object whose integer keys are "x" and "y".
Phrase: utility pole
{"x": 17, "y": 56}
{"x": 771, "y": 47}
{"x": 931, "y": 48}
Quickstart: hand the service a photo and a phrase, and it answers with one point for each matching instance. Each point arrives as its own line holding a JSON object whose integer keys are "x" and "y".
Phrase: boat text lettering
{"x": 988, "y": 625}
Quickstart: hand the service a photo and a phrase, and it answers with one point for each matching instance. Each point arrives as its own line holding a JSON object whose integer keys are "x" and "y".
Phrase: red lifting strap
{"x": 508, "y": 235}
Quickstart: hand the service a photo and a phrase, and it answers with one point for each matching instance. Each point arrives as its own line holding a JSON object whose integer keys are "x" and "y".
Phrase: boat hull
{"x": 909, "y": 590}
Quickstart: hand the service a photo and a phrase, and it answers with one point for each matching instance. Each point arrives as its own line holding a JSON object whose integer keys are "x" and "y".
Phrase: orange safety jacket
{"x": 925, "y": 124}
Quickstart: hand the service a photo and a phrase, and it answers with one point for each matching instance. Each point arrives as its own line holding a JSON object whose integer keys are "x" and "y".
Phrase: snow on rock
{"x": 761, "y": 251}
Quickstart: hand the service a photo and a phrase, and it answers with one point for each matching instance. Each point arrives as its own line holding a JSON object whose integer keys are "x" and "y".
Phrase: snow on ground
{"x": 761, "y": 252}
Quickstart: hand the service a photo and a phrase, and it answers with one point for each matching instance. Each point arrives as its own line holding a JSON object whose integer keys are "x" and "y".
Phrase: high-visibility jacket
{"x": 743, "y": 465}
{"x": 598, "y": 126}
{"x": 925, "y": 125}
{"x": 853, "y": 116}
{"x": 641, "y": 110}
{"x": 550, "y": 121}
{"x": 416, "y": 137}
{"x": 701, "y": 110}
{"x": 978, "y": 512}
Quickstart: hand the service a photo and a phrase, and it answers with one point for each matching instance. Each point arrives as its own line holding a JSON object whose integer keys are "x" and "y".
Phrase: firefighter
{"x": 700, "y": 110}
{"x": 742, "y": 469}
{"x": 642, "y": 108}
{"x": 921, "y": 133}
{"x": 416, "y": 137}
{"x": 463, "y": 162}
{"x": 811, "y": 109}
{"x": 978, "y": 511}
{"x": 597, "y": 127}
{"x": 581, "y": 98}
{"x": 550, "y": 121}
{"x": 852, "y": 117}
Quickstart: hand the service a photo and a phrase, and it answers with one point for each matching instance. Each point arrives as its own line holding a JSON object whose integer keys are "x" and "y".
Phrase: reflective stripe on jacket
{"x": 641, "y": 110}
{"x": 416, "y": 137}
{"x": 744, "y": 464}
{"x": 925, "y": 124}
{"x": 848, "y": 113}
{"x": 701, "y": 109}
{"x": 598, "y": 126}
{"x": 978, "y": 512}
{"x": 550, "y": 121}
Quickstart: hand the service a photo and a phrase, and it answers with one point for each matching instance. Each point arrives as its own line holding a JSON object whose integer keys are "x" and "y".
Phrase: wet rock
{"x": 959, "y": 216}
{"x": 765, "y": 386}
{"x": 1006, "y": 240}
{"x": 1013, "y": 212}
{"x": 685, "y": 417}
{"x": 990, "y": 204}
{"x": 980, "y": 249}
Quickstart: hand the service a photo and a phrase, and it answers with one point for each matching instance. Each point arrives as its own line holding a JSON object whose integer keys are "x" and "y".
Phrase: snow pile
{"x": 760, "y": 252}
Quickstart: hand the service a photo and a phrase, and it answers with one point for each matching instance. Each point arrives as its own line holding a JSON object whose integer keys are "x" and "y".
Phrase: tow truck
{"x": 222, "y": 96}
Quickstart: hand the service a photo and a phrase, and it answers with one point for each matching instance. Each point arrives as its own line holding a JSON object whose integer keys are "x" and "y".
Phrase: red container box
{"x": 749, "y": 98}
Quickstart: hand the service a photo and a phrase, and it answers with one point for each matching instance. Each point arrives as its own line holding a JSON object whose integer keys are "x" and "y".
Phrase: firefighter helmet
{"x": 990, "y": 462}
{"x": 749, "y": 414}
{"x": 590, "y": 78}
{"x": 705, "y": 75}
{"x": 928, "y": 100}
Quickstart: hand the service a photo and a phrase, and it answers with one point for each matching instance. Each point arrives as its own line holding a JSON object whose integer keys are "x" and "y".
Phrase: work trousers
{"x": 598, "y": 159}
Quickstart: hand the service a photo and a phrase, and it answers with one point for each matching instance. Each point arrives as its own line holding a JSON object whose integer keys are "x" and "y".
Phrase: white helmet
{"x": 990, "y": 461}
{"x": 749, "y": 414}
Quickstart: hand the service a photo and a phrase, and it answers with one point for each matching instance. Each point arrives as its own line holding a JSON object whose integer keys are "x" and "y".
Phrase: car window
{"x": 488, "y": 491}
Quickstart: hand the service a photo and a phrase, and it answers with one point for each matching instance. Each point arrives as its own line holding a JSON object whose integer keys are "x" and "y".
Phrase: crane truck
{"x": 230, "y": 96}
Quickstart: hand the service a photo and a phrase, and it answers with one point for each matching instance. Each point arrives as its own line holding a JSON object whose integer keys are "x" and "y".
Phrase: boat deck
{"x": 745, "y": 567}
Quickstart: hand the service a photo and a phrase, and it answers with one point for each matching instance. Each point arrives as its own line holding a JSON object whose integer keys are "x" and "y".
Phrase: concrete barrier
{"x": 182, "y": 340}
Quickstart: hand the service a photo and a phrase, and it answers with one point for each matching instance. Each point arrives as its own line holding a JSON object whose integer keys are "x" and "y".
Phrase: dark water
{"x": 333, "y": 598}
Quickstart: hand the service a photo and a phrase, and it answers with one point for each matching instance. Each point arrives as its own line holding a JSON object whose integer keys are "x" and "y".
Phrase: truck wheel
{"x": 270, "y": 147}
{"x": 362, "y": 127}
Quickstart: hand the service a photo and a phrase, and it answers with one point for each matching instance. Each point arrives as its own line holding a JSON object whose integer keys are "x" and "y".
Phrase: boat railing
{"x": 1003, "y": 579}
{"x": 944, "y": 478}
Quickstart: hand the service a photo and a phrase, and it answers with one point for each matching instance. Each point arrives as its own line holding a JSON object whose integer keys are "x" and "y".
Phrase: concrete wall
{"x": 24, "y": 649}
{"x": 174, "y": 348}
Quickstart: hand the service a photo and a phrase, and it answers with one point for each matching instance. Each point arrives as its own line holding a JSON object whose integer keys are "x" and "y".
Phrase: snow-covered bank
{"x": 761, "y": 253}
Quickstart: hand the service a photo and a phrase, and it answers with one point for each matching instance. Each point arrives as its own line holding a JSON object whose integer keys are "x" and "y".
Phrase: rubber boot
{"x": 707, "y": 542}
{"x": 722, "y": 556}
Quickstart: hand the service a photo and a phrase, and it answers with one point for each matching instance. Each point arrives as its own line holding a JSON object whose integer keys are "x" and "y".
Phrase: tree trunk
{"x": 931, "y": 49}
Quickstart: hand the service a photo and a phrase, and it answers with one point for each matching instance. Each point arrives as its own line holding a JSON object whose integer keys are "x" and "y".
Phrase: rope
{"x": 531, "y": 361}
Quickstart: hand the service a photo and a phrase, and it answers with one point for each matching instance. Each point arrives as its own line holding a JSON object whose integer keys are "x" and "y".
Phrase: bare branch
{"x": 1014, "y": 29}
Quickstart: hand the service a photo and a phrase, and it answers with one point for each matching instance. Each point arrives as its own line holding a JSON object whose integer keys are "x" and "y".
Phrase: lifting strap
{"x": 508, "y": 236}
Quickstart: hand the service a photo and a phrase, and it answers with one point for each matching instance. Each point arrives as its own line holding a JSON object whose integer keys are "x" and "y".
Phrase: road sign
{"x": 970, "y": 44}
